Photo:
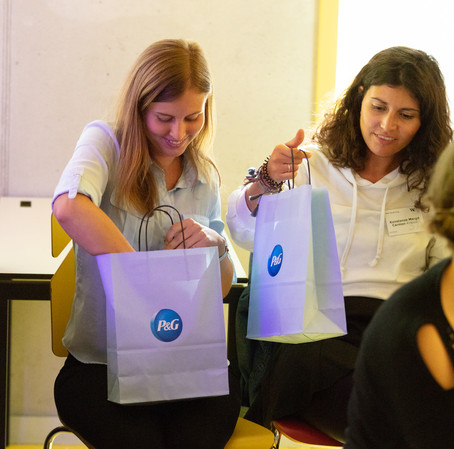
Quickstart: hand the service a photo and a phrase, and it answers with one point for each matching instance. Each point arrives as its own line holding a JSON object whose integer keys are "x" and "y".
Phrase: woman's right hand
{"x": 280, "y": 162}
{"x": 279, "y": 167}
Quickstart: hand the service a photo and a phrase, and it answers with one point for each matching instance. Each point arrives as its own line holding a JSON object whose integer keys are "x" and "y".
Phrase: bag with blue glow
{"x": 296, "y": 289}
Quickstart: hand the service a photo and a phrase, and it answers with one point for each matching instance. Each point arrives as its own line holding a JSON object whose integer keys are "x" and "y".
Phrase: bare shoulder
{"x": 435, "y": 356}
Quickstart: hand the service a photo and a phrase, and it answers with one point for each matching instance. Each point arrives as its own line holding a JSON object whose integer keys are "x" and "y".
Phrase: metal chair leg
{"x": 52, "y": 435}
{"x": 277, "y": 438}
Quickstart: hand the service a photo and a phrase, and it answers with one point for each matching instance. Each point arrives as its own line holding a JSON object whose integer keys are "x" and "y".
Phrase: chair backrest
{"x": 249, "y": 435}
{"x": 62, "y": 287}
{"x": 59, "y": 238}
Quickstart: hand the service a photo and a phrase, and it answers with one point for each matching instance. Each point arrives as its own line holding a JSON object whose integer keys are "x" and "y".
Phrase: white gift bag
{"x": 165, "y": 325}
{"x": 296, "y": 289}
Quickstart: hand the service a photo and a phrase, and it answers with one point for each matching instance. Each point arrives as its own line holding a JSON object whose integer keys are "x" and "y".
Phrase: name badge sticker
{"x": 407, "y": 220}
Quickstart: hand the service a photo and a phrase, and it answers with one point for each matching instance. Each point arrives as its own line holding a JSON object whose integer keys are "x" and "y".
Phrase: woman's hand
{"x": 195, "y": 236}
{"x": 198, "y": 236}
{"x": 280, "y": 162}
{"x": 279, "y": 167}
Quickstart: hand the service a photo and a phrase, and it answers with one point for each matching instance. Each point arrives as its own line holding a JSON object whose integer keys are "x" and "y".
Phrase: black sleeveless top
{"x": 396, "y": 403}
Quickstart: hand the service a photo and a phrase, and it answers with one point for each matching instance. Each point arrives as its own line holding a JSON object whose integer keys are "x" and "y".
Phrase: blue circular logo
{"x": 275, "y": 260}
{"x": 166, "y": 325}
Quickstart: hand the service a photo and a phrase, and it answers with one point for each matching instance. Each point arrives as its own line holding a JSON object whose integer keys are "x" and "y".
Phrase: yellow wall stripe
{"x": 325, "y": 52}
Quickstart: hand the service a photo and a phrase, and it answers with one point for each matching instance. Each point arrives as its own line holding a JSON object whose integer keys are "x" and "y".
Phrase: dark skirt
{"x": 81, "y": 399}
{"x": 314, "y": 380}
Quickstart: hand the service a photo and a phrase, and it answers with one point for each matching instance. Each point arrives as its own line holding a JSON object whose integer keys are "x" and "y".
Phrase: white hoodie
{"x": 382, "y": 240}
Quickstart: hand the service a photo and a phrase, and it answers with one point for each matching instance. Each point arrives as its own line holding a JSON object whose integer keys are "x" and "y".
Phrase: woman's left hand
{"x": 195, "y": 236}
{"x": 198, "y": 236}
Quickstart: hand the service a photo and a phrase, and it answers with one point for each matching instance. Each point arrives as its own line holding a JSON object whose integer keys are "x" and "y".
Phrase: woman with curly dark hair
{"x": 340, "y": 132}
{"x": 374, "y": 151}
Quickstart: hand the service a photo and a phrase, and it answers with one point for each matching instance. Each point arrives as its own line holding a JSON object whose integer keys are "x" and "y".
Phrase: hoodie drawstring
{"x": 381, "y": 232}
{"x": 381, "y": 229}
{"x": 348, "y": 245}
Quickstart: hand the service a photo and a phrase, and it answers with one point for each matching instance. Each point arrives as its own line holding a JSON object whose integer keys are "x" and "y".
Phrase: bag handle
{"x": 293, "y": 170}
{"x": 160, "y": 208}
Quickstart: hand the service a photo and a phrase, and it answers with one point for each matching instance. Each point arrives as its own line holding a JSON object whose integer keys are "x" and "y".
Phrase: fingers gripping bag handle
{"x": 146, "y": 217}
{"x": 292, "y": 185}
{"x": 255, "y": 175}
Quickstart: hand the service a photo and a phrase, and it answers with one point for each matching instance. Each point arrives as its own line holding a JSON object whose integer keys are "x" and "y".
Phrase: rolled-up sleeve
{"x": 240, "y": 221}
{"x": 87, "y": 172}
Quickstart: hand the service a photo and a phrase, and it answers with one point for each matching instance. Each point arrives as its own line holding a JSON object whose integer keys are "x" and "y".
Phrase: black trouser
{"x": 314, "y": 380}
{"x": 81, "y": 399}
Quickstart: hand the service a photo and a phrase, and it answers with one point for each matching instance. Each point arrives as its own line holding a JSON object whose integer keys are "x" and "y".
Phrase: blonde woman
{"x": 156, "y": 152}
{"x": 403, "y": 394}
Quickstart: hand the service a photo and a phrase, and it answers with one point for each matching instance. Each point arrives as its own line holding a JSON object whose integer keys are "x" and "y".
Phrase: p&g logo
{"x": 275, "y": 260}
{"x": 166, "y": 325}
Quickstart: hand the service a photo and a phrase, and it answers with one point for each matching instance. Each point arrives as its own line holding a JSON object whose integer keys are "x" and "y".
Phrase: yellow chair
{"x": 247, "y": 435}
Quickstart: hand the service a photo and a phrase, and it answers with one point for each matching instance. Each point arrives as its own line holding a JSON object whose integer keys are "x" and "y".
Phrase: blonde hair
{"x": 161, "y": 73}
{"x": 440, "y": 194}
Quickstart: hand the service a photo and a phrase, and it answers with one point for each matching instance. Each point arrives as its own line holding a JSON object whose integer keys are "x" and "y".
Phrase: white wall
{"x": 368, "y": 26}
{"x": 62, "y": 63}
{"x": 68, "y": 59}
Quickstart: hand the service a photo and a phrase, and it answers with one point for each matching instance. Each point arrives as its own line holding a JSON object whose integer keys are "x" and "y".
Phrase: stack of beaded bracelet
{"x": 262, "y": 176}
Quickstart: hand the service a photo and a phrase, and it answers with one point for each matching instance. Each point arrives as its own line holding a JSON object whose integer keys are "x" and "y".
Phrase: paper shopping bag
{"x": 296, "y": 289}
{"x": 165, "y": 325}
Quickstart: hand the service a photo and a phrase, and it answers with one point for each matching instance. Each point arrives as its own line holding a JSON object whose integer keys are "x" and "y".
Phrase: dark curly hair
{"x": 339, "y": 134}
